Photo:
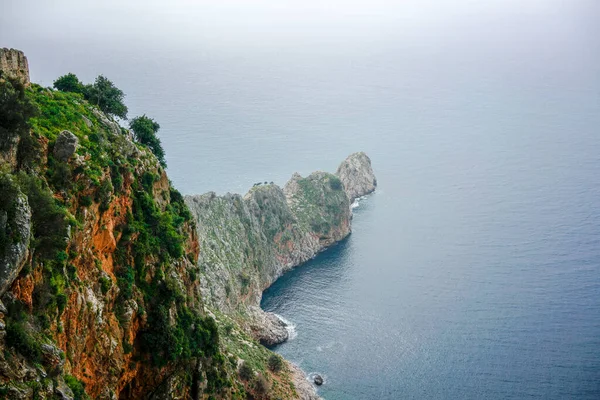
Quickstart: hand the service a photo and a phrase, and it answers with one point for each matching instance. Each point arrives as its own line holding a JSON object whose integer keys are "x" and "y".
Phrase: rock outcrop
{"x": 13, "y": 63}
{"x": 357, "y": 176}
{"x": 15, "y": 231}
{"x": 65, "y": 146}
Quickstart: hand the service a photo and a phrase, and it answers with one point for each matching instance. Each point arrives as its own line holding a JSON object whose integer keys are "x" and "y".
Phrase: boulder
{"x": 65, "y": 146}
{"x": 318, "y": 380}
{"x": 267, "y": 328}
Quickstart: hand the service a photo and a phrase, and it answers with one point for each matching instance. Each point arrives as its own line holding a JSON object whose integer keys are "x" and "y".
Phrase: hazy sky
{"x": 266, "y": 22}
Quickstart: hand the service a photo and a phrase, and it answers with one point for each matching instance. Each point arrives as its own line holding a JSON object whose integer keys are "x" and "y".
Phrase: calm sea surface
{"x": 474, "y": 271}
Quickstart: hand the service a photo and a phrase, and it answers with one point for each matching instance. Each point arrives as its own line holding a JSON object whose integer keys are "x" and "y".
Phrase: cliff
{"x": 246, "y": 243}
{"x": 14, "y": 63}
{"x": 113, "y": 286}
{"x": 98, "y": 281}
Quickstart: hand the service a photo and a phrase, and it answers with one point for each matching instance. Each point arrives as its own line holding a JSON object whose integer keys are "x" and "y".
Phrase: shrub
{"x": 77, "y": 387}
{"x": 105, "y": 284}
{"x": 275, "y": 363}
{"x": 18, "y": 337}
{"x": 261, "y": 385}
{"x": 85, "y": 201}
{"x": 335, "y": 183}
{"x": 245, "y": 371}
{"x": 15, "y": 111}
{"x": 49, "y": 218}
{"x": 104, "y": 194}
{"x": 69, "y": 83}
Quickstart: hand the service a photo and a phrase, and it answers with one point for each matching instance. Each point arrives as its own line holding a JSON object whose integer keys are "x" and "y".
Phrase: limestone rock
{"x": 65, "y": 146}
{"x": 13, "y": 63}
{"x": 114, "y": 128}
{"x": 15, "y": 253}
{"x": 267, "y": 328}
{"x": 53, "y": 359}
{"x": 357, "y": 176}
{"x": 304, "y": 389}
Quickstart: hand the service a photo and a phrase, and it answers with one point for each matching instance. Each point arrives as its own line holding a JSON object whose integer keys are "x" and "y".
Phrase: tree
{"x": 275, "y": 363}
{"x": 15, "y": 111}
{"x": 69, "y": 83}
{"x": 107, "y": 97}
{"x": 145, "y": 130}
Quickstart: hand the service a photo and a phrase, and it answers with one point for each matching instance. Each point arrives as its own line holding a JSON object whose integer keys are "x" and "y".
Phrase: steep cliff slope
{"x": 97, "y": 262}
{"x": 111, "y": 288}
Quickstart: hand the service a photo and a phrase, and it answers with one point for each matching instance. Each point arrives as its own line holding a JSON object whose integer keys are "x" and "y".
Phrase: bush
{"x": 77, "y": 387}
{"x": 69, "y": 83}
{"x": 245, "y": 371}
{"x": 85, "y": 201}
{"x": 105, "y": 284}
{"x": 18, "y": 337}
{"x": 15, "y": 111}
{"x": 335, "y": 183}
{"x": 104, "y": 194}
{"x": 261, "y": 385}
{"x": 49, "y": 218}
{"x": 275, "y": 363}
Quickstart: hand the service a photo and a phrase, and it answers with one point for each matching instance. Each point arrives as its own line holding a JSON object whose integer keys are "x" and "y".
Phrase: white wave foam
{"x": 355, "y": 204}
{"x": 289, "y": 326}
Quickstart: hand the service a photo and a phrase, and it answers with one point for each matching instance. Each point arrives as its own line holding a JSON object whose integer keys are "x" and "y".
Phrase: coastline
{"x": 247, "y": 243}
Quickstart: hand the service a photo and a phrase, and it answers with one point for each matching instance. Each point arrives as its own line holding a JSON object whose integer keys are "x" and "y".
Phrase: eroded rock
{"x": 357, "y": 176}
{"x": 65, "y": 146}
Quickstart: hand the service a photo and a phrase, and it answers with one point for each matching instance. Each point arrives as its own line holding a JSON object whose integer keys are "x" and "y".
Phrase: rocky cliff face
{"x": 14, "y": 63}
{"x": 246, "y": 243}
{"x": 111, "y": 288}
{"x": 98, "y": 266}
{"x": 357, "y": 176}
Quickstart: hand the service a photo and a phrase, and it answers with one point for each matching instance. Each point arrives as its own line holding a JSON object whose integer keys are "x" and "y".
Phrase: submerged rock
{"x": 357, "y": 176}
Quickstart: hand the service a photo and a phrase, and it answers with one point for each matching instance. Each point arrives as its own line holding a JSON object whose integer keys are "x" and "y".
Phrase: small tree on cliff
{"x": 145, "y": 130}
{"x": 107, "y": 97}
{"x": 69, "y": 83}
{"x": 15, "y": 111}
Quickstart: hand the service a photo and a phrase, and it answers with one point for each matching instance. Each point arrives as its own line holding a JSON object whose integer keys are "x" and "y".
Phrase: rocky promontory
{"x": 247, "y": 242}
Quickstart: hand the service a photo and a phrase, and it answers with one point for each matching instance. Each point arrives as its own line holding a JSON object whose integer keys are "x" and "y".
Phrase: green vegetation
{"x": 245, "y": 372}
{"x": 145, "y": 130}
{"x": 102, "y": 93}
{"x": 77, "y": 387}
{"x": 107, "y": 97}
{"x": 15, "y": 112}
{"x": 20, "y": 338}
{"x": 149, "y": 263}
{"x": 69, "y": 83}
{"x": 275, "y": 363}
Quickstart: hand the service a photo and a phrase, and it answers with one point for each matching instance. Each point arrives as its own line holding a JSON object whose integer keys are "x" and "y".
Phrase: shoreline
{"x": 248, "y": 242}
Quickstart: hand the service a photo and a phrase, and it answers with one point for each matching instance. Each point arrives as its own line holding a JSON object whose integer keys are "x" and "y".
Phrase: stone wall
{"x": 14, "y": 63}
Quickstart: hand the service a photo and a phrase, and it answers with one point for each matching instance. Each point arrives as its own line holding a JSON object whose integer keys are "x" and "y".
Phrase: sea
{"x": 473, "y": 272}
